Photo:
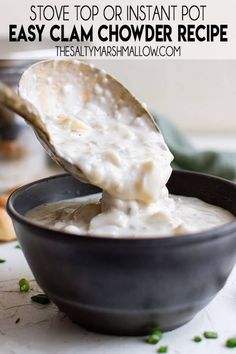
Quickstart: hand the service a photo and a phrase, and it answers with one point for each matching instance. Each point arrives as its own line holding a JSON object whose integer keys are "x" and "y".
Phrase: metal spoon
{"x": 55, "y": 87}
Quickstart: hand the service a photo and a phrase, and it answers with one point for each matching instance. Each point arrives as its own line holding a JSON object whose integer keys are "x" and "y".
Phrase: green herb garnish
{"x": 24, "y": 285}
{"x": 18, "y": 246}
{"x": 197, "y": 339}
{"x": 41, "y": 299}
{"x": 163, "y": 349}
{"x": 2, "y": 260}
{"x": 210, "y": 335}
{"x": 231, "y": 343}
{"x": 151, "y": 340}
{"x": 154, "y": 337}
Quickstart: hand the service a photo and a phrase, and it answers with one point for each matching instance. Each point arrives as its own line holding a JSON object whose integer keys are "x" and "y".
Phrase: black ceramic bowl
{"x": 127, "y": 286}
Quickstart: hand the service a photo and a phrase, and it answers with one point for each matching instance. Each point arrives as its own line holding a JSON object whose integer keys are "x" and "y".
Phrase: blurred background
{"x": 199, "y": 96}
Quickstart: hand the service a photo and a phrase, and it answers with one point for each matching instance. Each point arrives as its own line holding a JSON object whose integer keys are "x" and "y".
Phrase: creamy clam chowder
{"x": 126, "y": 156}
{"x": 102, "y": 215}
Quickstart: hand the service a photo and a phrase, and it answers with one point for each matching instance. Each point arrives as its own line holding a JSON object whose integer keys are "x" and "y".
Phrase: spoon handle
{"x": 15, "y": 103}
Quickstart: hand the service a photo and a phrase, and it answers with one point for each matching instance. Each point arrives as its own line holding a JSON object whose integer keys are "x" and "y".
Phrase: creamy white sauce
{"x": 94, "y": 126}
{"x": 97, "y": 215}
{"x": 129, "y": 161}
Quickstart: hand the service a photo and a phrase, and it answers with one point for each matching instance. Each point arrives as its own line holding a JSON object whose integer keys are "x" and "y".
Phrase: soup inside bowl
{"x": 127, "y": 285}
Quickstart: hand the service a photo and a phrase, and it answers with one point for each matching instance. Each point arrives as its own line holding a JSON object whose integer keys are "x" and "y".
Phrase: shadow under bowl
{"x": 127, "y": 286}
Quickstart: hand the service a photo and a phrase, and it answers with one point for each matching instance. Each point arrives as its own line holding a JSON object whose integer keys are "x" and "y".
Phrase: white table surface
{"x": 43, "y": 329}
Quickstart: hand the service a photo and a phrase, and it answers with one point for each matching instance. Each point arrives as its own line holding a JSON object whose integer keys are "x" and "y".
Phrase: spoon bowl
{"x": 65, "y": 88}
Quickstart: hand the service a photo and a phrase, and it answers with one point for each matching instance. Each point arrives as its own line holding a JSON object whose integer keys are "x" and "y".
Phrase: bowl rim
{"x": 202, "y": 236}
